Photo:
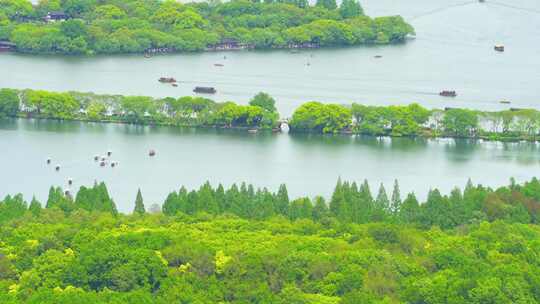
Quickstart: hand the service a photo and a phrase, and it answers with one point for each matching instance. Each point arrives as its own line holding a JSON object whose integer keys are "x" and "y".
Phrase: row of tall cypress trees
{"x": 349, "y": 203}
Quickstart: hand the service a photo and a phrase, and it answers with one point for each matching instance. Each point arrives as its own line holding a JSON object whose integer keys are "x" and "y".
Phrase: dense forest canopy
{"x": 128, "y": 26}
{"x": 246, "y": 245}
{"x": 261, "y": 112}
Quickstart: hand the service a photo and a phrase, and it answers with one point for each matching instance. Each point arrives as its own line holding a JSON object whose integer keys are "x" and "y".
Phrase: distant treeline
{"x": 349, "y": 203}
{"x": 415, "y": 120}
{"x": 129, "y": 26}
{"x": 316, "y": 117}
{"x": 183, "y": 111}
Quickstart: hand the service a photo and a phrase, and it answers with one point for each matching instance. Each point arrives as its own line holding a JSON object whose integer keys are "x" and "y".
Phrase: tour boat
{"x": 446, "y": 93}
{"x": 167, "y": 80}
{"x": 205, "y": 90}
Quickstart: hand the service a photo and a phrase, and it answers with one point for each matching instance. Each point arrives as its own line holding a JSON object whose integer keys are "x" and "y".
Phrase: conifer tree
{"x": 328, "y": 4}
{"x": 350, "y": 9}
{"x": 282, "y": 200}
{"x": 139, "y": 204}
{"x": 320, "y": 210}
{"x": 382, "y": 201}
{"x": 395, "y": 204}
{"x": 35, "y": 207}
{"x": 337, "y": 203}
{"x": 410, "y": 209}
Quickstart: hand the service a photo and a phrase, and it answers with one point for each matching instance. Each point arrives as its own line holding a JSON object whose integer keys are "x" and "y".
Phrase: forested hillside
{"x": 243, "y": 245}
{"x": 128, "y": 26}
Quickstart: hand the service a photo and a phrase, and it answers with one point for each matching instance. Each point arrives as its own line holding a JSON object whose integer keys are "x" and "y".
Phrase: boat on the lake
{"x": 252, "y": 131}
{"x": 218, "y": 64}
{"x": 377, "y": 56}
{"x": 447, "y": 93}
{"x": 174, "y": 84}
{"x": 167, "y": 80}
{"x": 499, "y": 48}
{"x": 505, "y": 102}
{"x": 205, "y": 90}
{"x": 152, "y": 152}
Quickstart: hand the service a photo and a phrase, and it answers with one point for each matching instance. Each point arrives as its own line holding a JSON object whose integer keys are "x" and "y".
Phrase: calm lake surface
{"x": 308, "y": 164}
{"x": 453, "y": 50}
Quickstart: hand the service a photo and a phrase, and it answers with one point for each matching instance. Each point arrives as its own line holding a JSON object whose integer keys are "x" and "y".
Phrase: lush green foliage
{"x": 184, "y": 111}
{"x": 414, "y": 120}
{"x": 397, "y": 254}
{"x": 124, "y": 26}
{"x": 9, "y": 103}
{"x": 261, "y": 112}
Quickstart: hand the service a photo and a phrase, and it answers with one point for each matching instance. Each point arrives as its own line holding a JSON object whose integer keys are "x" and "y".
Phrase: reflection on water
{"x": 308, "y": 163}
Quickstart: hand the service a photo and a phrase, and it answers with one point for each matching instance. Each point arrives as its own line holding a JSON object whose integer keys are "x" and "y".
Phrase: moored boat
{"x": 205, "y": 90}
{"x": 167, "y": 80}
{"x": 447, "y": 93}
{"x": 499, "y": 48}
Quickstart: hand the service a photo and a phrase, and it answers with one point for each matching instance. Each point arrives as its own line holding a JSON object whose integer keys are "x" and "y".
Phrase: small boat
{"x": 70, "y": 181}
{"x": 377, "y": 56}
{"x": 48, "y": 161}
{"x": 152, "y": 152}
{"x": 218, "y": 64}
{"x": 499, "y": 48}
{"x": 102, "y": 163}
{"x": 146, "y": 55}
{"x": 252, "y": 131}
{"x": 167, "y": 80}
{"x": 505, "y": 102}
{"x": 113, "y": 164}
{"x": 96, "y": 158}
{"x": 294, "y": 52}
{"x": 276, "y": 130}
{"x": 447, "y": 93}
{"x": 57, "y": 168}
{"x": 109, "y": 153}
{"x": 205, "y": 90}
{"x": 103, "y": 158}
{"x": 174, "y": 85}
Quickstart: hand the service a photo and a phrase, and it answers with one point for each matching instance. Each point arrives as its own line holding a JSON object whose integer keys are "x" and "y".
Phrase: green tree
{"x": 328, "y": 4}
{"x": 139, "y": 204}
{"x": 264, "y": 101}
{"x": 395, "y": 204}
{"x": 9, "y": 103}
{"x": 350, "y": 9}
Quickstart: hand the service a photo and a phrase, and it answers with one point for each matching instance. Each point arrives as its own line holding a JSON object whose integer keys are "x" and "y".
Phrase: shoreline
{"x": 482, "y": 138}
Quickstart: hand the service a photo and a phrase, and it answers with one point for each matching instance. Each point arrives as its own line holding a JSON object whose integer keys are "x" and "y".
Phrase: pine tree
{"x": 396, "y": 199}
{"x": 366, "y": 204}
{"x": 381, "y": 206}
{"x": 139, "y": 204}
{"x": 320, "y": 210}
{"x": 337, "y": 203}
{"x": 410, "y": 209}
{"x": 282, "y": 200}
{"x": 35, "y": 207}
{"x": 382, "y": 201}
{"x": 328, "y": 4}
{"x": 350, "y": 9}
{"x": 170, "y": 206}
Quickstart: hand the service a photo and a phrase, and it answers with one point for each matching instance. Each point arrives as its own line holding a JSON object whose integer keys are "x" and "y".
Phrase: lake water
{"x": 453, "y": 50}
{"x": 308, "y": 164}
